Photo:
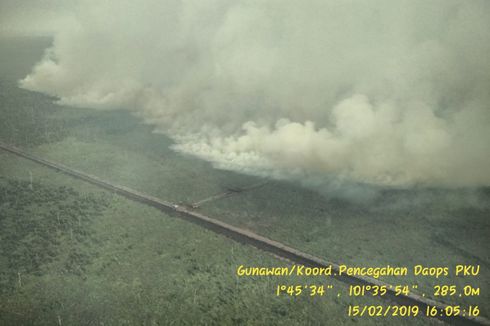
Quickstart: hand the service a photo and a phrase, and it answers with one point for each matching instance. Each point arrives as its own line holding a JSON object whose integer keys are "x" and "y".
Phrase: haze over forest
{"x": 379, "y": 92}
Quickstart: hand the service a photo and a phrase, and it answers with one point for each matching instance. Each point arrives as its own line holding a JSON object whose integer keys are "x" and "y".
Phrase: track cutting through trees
{"x": 278, "y": 249}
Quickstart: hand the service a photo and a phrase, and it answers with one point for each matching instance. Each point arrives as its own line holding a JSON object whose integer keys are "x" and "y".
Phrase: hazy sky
{"x": 34, "y": 17}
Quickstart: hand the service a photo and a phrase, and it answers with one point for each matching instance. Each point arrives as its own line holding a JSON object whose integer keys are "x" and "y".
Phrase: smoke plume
{"x": 391, "y": 93}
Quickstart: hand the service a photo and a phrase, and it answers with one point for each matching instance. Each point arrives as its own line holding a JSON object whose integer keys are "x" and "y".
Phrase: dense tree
{"x": 37, "y": 225}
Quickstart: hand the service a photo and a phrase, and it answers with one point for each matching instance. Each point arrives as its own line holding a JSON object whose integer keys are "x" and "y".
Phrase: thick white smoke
{"x": 384, "y": 92}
